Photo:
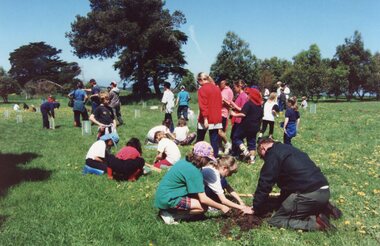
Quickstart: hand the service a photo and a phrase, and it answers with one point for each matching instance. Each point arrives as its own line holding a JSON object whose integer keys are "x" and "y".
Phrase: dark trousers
{"x": 250, "y": 134}
{"x": 299, "y": 211}
{"x": 287, "y": 139}
{"x": 169, "y": 116}
{"x": 94, "y": 105}
{"x": 116, "y": 112}
{"x": 182, "y": 110}
{"x": 214, "y": 138}
{"x": 96, "y": 164}
{"x": 235, "y": 149}
{"x": 124, "y": 169}
{"x": 77, "y": 115}
{"x": 45, "y": 119}
{"x": 265, "y": 124}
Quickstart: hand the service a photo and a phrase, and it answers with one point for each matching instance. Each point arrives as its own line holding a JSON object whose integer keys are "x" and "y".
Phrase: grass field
{"x": 45, "y": 200}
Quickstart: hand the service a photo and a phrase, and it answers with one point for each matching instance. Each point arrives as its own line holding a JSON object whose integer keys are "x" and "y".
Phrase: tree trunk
{"x": 156, "y": 84}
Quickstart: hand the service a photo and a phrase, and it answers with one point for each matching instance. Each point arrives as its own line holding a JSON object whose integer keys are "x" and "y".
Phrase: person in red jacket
{"x": 210, "y": 110}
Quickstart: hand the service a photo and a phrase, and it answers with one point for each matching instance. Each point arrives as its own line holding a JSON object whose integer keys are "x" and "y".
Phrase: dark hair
{"x": 264, "y": 140}
{"x": 80, "y": 85}
{"x": 167, "y": 85}
{"x": 198, "y": 161}
{"x": 92, "y": 81}
{"x": 135, "y": 143}
{"x": 167, "y": 122}
{"x": 156, "y": 134}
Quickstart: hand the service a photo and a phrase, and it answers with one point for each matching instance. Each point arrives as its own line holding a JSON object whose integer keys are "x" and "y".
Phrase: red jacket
{"x": 210, "y": 104}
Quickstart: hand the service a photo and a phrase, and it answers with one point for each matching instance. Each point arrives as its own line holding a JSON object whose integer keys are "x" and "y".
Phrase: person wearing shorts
{"x": 181, "y": 193}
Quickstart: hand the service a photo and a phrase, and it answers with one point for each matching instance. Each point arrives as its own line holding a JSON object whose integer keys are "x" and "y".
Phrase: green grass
{"x": 68, "y": 208}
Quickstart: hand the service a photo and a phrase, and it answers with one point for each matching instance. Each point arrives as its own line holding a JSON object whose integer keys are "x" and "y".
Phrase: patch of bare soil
{"x": 234, "y": 218}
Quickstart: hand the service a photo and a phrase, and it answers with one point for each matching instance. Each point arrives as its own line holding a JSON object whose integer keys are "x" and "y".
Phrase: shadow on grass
{"x": 12, "y": 174}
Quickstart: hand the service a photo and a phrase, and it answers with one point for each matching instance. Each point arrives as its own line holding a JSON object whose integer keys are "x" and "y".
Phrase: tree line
{"x": 353, "y": 71}
{"x": 146, "y": 40}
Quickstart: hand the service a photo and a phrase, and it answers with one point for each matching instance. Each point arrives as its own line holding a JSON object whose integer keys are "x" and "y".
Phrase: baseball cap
{"x": 204, "y": 149}
{"x": 113, "y": 83}
{"x": 113, "y": 136}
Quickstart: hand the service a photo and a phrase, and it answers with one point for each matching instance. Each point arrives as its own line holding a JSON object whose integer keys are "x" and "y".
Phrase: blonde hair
{"x": 273, "y": 96}
{"x": 103, "y": 96}
{"x": 205, "y": 76}
{"x": 225, "y": 161}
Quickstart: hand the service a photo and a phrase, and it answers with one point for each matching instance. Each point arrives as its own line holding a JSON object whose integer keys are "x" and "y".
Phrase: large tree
{"x": 39, "y": 60}
{"x": 308, "y": 75}
{"x": 271, "y": 70}
{"x": 374, "y": 79}
{"x": 357, "y": 59}
{"x": 141, "y": 33}
{"x": 235, "y": 61}
{"x": 8, "y": 85}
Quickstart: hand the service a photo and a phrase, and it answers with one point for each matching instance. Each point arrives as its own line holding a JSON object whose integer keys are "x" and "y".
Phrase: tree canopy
{"x": 141, "y": 33}
{"x": 235, "y": 61}
{"x": 39, "y": 60}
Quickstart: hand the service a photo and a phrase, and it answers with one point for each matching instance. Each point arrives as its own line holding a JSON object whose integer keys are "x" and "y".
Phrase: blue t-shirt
{"x": 78, "y": 94}
{"x": 183, "y": 98}
{"x": 292, "y": 115}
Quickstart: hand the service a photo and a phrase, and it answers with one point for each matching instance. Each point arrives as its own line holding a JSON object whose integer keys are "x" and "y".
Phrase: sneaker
{"x": 227, "y": 148}
{"x": 213, "y": 210}
{"x": 332, "y": 211}
{"x": 323, "y": 223}
{"x": 252, "y": 160}
{"x": 167, "y": 217}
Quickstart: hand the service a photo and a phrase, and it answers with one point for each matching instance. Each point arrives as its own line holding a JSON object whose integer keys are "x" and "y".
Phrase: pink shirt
{"x": 127, "y": 153}
{"x": 240, "y": 101}
{"x": 227, "y": 95}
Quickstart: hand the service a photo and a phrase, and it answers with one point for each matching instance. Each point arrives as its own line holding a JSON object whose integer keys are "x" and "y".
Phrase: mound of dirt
{"x": 234, "y": 218}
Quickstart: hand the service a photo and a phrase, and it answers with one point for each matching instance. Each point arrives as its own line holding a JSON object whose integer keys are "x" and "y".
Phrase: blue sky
{"x": 279, "y": 28}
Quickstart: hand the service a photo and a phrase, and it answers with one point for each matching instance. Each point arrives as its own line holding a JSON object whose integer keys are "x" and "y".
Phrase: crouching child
{"x": 181, "y": 193}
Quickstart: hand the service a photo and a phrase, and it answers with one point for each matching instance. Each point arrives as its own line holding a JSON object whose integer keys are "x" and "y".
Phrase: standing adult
{"x": 227, "y": 97}
{"x": 79, "y": 108}
{"x": 168, "y": 103}
{"x": 210, "y": 110}
{"x": 95, "y": 89}
{"x": 115, "y": 101}
{"x": 182, "y": 102}
{"x": 303, "y": 203}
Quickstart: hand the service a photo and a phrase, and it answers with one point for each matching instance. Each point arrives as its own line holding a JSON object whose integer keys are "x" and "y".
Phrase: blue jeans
{"x": 214, "y": 138}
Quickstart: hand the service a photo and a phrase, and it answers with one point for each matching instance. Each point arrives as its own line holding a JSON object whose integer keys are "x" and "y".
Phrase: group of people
{"x": 105, "y": 105}
{"x": 198, "y": 183}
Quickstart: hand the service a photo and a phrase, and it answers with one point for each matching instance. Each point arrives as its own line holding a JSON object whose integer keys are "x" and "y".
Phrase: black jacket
{"x": 291, "y": 169}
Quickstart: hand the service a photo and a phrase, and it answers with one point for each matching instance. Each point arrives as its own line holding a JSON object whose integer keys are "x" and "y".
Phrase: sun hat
{"x": 113, "y": 136}
{"x": 204, "y": 149}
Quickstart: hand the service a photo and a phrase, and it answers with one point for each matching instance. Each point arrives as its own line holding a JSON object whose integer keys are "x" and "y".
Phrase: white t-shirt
{"x": 304, "y": 104}
{"x": 181, "y": 132}
{"x": 97, "y": 149}
{"x": 287, "y": 92}
{"x": 168, "y": 99}
{"x": 268, "y": 114}
{"x": 171, "y": 150}
{"x": 211, "y": 178}
{"x": 150, "y": 135}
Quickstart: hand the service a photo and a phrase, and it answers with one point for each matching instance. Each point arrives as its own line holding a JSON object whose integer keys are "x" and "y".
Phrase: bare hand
{"x": 225, "y": 209}
{"x": 246, "y": 210}
{"x": 206, "y": 123}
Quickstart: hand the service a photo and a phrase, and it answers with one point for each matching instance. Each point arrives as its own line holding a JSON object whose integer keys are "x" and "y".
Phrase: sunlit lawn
{"x": 61, "y": 206}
